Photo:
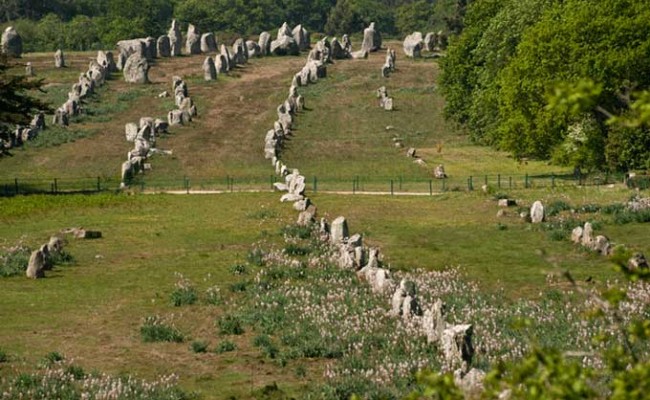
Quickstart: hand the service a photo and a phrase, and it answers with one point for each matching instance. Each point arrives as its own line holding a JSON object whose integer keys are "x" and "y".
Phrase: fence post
{"x": 430, "y": 187}
{"x": 187, "y": 184}
{"x": 315, "y": 184}
{"x": 391, "y": 187}
{"x": 354, "y": 186}
{"x": 272, "y": 179}
{"x": 552, "y": 179}
{"x": 526, "y": 181}
{"x": 99, "y": 185}
{"x": 499, "y": 181}
{"x": 486, "y": 180}
{"x": 56, "y": 185}
{"x": 444, "y": 184}
{"x": 142, "y": 185}
{"x": 400, "y": 182}
{"x": 16, "y": 185}
{"x": 510, "y": 182}
{"x": 232, "y": 184}
{"x": 470, "y": 185}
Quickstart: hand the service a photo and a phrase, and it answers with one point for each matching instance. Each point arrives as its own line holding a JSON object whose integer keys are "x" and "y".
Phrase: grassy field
{"x": 92, "y": 311}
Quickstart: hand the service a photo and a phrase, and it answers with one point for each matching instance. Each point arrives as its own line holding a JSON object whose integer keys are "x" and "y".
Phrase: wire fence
{"x": 351, "y": 184}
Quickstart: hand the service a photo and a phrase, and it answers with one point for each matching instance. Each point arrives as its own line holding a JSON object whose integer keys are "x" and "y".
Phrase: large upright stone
{"x": 301, "y": 36}
{"x": 285, "y": 45}
{"x": 413, "y": 45}
{"x": 253, "y": 49}
{"x": 371, "y": 39}
{"x": 209, "y": 70}
{"x": 456, "y": 345}
{"x": 264, "y": 42}
{"x": 226, "y": 53}
{"x": 175, "y": 39}
{"x": 208, "y": 43}
{"x": 150, "y": 50}
{"x": 105, "y": 59}
{"x": 537, "y": 212}
{"x": 239, "y": 52}
{"x": 133, "y": 46}
{"x": 36, "y": 265}
{"x": 136, "y": 69}
{"x": 433, "y": 322}
{"x": 430, "y": 41}
{"x": 193, "y": 40}
{"x": 163, "y": 46}
{"x": 221, "y": 64}
{"x": 339, "y": 230}
{"x": 12, "y": 43}
{"x": 59, "y": 60}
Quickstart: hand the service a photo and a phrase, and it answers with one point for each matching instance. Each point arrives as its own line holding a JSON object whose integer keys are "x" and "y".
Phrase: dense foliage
{"x": 553, "y": 79}
{"x": 88, "y": 25}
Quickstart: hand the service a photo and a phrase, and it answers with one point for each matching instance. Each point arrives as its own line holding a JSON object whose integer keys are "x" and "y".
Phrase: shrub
{"x": 225, "y": 346}
{"x": 15, "y": 262}
{"x": 75, "y": 371}
{"x": 53, "y": 357}
{"x": 296, "y": 250}
{"x": 556, "y": 207}
{"x": 3, "y": 356}
{"x": 238, "y": 269}
{"x": 297, "y": 231}
{"x": 213, "y": 295}
{"x": 184, "y": 293}
{"x": 230, "y": 325}
{"x": 256, "y": 257}
{"x": 238, "y": 286}
{"x": 184, "y": 296}
{"x": 199, "y": 346}
{"x": 154, "y": 329}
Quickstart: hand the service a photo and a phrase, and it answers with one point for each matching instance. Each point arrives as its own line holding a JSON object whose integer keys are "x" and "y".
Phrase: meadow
{"x": 229, "y": 274}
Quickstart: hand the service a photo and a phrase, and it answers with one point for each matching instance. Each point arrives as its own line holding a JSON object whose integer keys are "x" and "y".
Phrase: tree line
{"x": 99, "y": 24}
{"x": 565, "y": 80}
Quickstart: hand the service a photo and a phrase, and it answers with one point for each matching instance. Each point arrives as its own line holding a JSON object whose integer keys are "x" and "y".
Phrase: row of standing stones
{"x": 584, "y": 235}
{"x": 42, "y": 259}
{"x": 454, "y": 341}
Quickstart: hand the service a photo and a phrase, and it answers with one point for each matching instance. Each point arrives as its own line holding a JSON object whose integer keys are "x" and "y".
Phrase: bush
{"x": 184, "y": 296}
{"x": 3, "y": 356}
{"x": 199, "y": 346}
{"x": 557, "y": 207}
{"x": 15, "y": 262}
{"x": 238, "y": 286}
{"x": 296, "y": 250}
{"x": 297, "y": 231}
{"x": 225, "y": 347}
{"x": 155, "y": 330}
{"x": 238, "y": 269}
{"x": 230, "y": 325}
{"x": 256, "y": 257}
{"x": 75, "y": 371}
{"x": 53, "y": 357}
{"x": 213, "y": 296}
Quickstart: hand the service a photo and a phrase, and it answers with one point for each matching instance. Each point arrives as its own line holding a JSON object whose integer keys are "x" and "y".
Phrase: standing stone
{"x": 439, "y": 172}
{"x": 601, "y": 245}
{"x": 413, "y": 45}
{"x": 136, "y": 69}
{"x": 587, "y": 235}
{"x": 221, "y": 64}
{"x": 133, "y": 46}
{"x": 264, "y": 43}
{"x": 209, "y": 70}
{"x": 60, "y": 118}
{"x": 105, "y": 59}
{"x": 576, "y": 235}
{"x": 226, "y": 53}
{"x": 433, "y": 322}
{"x": 163, "y": 46}
{"x": 29, "y": 70}
{"x": 131, "y": 131}
{"x": 252, "y": 49}
{"x": 175, "y": 39}
{"x": 456, "y": 345}
{"x": 537, "y": 212}
{"x": 38, "y": 122}
{"x": 430, "y": 41}
{"x": 339, "y": 230}
{"x": 338, "y": 52}
{"x": 193, "y": 40}
{"x": 346, "y": 44}
{"x": 301, "y": 37}
{"x": 150, "y": 49}
{"x": 12, "y": 43}
{"x": 55, "y": 245}
{"x": 285, "y": 45}
{"x": 637, "y": 261}
{"x": 208, "y": 43}
{"x": 59, "y": 60}
{"x": 371, "y": 39}
{"x": 240, "y": 54}
{"x": 36, "y": 265}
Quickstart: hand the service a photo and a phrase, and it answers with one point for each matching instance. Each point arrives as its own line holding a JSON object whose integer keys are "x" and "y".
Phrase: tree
{"x": 16, "y": 104}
